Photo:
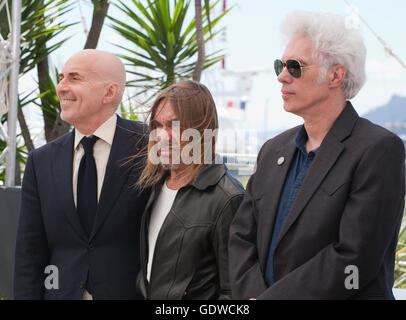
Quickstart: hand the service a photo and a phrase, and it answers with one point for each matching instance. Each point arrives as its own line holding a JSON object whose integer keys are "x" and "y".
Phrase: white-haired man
{"x": 321, "y": 214}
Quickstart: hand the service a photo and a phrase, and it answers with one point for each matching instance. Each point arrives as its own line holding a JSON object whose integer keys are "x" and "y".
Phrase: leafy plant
{"x": 400, "y": 263}
{"x": 21, "y": 156}
{"x": 21, "y": 150}
{"x": 164, "y": 46}
{"x": 53, "y": 108}
{"x": 129, "y": 114}
{"x": 39, "y": 25}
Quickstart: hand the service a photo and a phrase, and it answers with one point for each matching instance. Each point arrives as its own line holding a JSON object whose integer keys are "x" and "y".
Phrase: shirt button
{"x": 91, "y": 247}
{"x": 81, "y": 284}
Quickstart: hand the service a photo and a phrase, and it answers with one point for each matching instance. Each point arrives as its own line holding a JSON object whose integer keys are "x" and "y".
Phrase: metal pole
{"x": 13, "y": 93}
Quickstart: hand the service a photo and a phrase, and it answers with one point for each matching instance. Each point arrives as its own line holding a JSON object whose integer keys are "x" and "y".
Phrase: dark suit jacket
{"x": 50, "y": 232}
{"x": 348, "y": 212}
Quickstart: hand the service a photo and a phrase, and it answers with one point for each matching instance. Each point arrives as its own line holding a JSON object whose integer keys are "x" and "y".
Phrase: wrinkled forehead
{"x": 83, "y": 66}
{"x": 97, "y": 65}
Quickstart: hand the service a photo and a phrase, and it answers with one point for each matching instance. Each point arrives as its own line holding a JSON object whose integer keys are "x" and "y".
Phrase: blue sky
{"x": 253, "y": 41}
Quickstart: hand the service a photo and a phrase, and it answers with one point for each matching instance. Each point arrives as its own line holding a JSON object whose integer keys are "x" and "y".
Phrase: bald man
{"x": 78, "y": 233}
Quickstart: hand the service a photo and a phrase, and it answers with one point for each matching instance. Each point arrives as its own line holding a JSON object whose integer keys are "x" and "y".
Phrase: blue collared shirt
{"x": 297, "y": 172}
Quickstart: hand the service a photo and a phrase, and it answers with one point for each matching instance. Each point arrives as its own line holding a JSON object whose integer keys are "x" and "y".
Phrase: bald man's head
{"x": 104, "y": 64}
{"x": 91, "y": 87}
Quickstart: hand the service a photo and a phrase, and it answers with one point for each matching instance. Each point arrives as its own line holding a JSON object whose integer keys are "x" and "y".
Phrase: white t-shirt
{"x": 160, "y": 210}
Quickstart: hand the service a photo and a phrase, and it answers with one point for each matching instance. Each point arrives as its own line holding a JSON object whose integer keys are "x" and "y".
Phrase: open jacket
{"x": 50, "y": 231}
{"x": 347, "y": 213}
{"x": 191, "y": 257}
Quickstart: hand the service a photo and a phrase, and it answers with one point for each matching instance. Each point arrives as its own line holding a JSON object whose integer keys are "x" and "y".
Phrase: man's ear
{"x": 111, "y": 93}
{"x": 336, "y": 75}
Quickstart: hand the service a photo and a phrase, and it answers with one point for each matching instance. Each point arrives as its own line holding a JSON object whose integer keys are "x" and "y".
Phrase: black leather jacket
{"x": 191, "y": 257}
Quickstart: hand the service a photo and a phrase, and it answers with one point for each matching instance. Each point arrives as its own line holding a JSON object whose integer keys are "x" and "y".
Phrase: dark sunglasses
{"x": 294, "y": 67}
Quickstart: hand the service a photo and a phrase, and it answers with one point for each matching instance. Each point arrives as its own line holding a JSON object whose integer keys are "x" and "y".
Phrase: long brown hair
{"x": 194, "y": 106}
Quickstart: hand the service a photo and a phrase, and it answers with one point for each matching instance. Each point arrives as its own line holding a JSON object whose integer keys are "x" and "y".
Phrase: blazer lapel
{"x": 124, "y": 145}
{"x": 329, "y": 151}
{"x": 273, "y": 189}
{"x": 62, "y": 170}
{"x": 321, "y": 165}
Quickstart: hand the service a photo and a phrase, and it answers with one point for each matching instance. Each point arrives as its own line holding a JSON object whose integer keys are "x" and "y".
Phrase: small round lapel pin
{"x": 280, "y": 161}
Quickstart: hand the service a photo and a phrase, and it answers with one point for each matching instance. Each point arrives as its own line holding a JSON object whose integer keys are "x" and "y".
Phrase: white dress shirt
{"x": 101, "y": 153}
{"x": 160, "y": 210}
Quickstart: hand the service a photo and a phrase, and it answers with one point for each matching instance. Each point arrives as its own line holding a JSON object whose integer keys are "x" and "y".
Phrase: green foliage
{"x": 164, "y": 46}
{"x": 52, "y": 107}
{"x": 39, "y": 25}
{"x": 21, "y": 151}
{"x": 129, "y": 114}
{"x": 207, "y": 8}
{"x": 400, "y": 263}
{"x": 21, "y": 156}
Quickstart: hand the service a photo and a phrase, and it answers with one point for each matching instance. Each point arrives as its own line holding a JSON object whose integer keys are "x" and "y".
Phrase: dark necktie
{"x": 87, "y": 185}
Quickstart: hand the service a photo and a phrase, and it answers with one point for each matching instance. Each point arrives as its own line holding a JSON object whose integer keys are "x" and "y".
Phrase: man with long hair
{"x": 184, "y": 230}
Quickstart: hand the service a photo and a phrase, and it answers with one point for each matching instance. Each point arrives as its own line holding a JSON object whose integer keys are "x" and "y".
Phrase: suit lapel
{"x": 124, "y": 145}
{"x": 62, "y": 170}
{"x": 273, "y": 189}
{"x": 329, "y": 151}
{"x": 321, "y": 165}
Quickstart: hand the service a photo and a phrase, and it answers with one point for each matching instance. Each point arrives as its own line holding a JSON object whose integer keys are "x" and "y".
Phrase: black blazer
{"x": 348, "y": 212}
{"x": 50, "y": 232}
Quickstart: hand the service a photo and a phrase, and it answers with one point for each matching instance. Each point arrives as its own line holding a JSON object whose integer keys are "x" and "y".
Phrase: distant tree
{"x": 56, "y": 126}
{"x": 163, "y": 43}
{"x": 36, "y": 28}
{"x": 200, "y": 41}
{"x": 38, "y": 25}
{"x": 100, "y": 9}
{"x": 41, "y": 22}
